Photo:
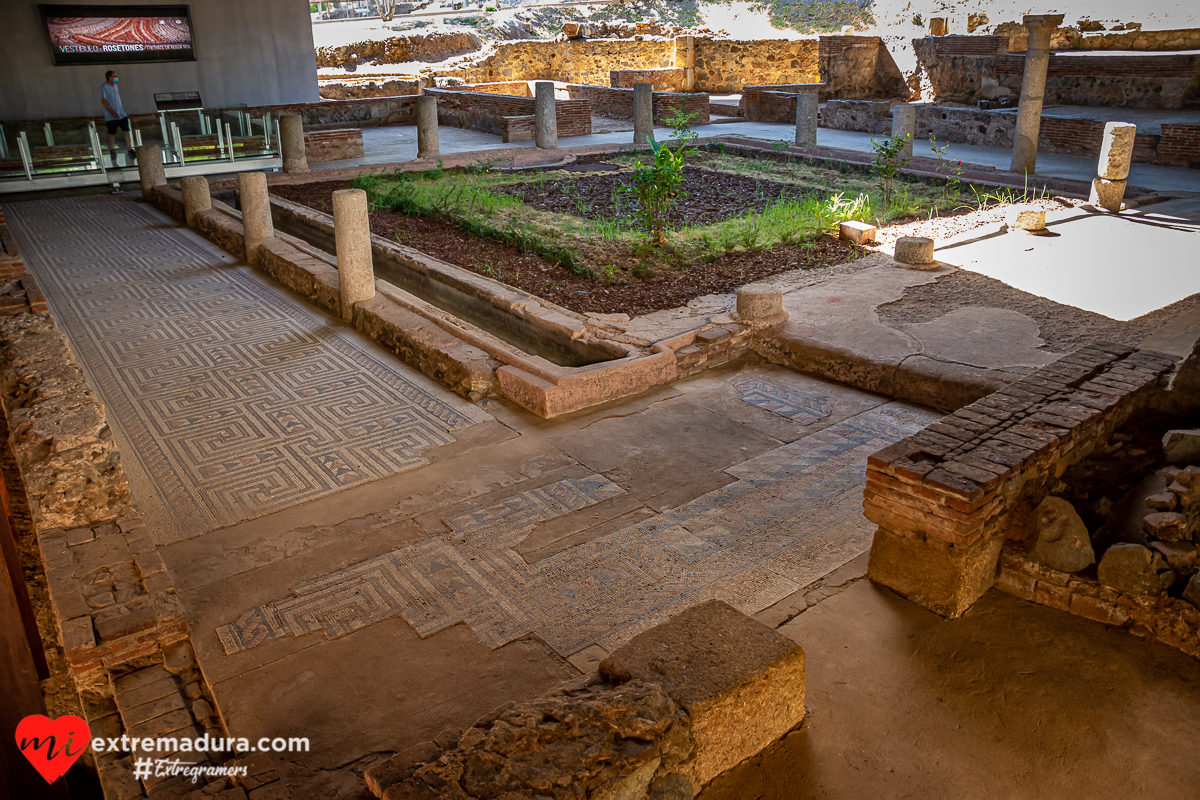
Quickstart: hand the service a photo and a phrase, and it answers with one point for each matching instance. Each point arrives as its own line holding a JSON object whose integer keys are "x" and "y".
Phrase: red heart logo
{"x": 52, "y": 745}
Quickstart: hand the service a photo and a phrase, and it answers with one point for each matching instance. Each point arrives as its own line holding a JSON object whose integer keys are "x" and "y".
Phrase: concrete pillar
{"x": 352, "y": 237}
{"x": 545, "y": 121}
{"x": 255, "y": 204}
{"x": 806, "y": 119}
{"x": 150, "y": 167}
{"x": 291, "y": 144}
{"x": 427, "y": 126}
{"x": 195, "y": 197}
{"x": 643, "y": 112}
{"x": 1033, "y": 88}
{"x": 904, "y": 123}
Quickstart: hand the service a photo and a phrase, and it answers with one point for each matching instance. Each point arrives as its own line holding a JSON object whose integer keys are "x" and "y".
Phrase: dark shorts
{"x": 113, "y": 124}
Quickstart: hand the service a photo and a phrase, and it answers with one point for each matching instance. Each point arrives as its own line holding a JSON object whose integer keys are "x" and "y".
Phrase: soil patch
{"x": 668, "y": 288}
{"x": 706, "y": 196}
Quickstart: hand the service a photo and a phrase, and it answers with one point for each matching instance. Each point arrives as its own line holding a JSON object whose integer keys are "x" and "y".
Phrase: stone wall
{"x": 354, "y": 90}
{"x": 589, "y": 62}
{"x": 326, "y": 114}
{"x": 726, "y": 65}
{"x": 1070, "y": 38}
{"x": 484, "y": 111}
{"x": 400, "y": 49}
{"x": 947, "y": 498}
{"x": 775, "y": 103}
{"x": 618, "y": 103}
{"x": 1178, "y": 144}
{"x": 667, "y": 79}
{"x": 966, "y": 69}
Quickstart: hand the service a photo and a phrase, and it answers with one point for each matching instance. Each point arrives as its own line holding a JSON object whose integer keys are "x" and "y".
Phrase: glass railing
{"x": 79, "y": 148}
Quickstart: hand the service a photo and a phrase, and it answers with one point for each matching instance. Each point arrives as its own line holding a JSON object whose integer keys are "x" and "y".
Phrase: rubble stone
{"x": 1134, "y": 569}
{"x": 1061, "y": 539}
{"x": 1182, "y": 446}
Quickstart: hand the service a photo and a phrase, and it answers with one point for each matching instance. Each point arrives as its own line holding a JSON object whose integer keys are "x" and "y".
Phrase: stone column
{"x": 195, "y": 197}
{"x": 352, "y": 237}
{"x": 427, "y": 126}
{"x": 150, "y": 167}
{"x": 904, "y": 123}
{"x": 255, "y": 203}
{"x": 643, "y": 112}
{"x": 291, "y": 144}
{"x": 806, "y": 119}
{"x": 689, "y": 66}
{"x": 1033, "y": 88}
{"x": 545, "y": 121}
{"x": 1116, "y": 153}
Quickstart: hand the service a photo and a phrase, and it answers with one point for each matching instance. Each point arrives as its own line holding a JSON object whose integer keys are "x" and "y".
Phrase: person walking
{"x": 115, "y": 117}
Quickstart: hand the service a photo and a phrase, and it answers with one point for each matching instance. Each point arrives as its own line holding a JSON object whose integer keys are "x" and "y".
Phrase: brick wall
{"x": 512, "y": 88}
{"x": 618, "y": 103}
{"x": 945, "y": 499}
{"x": 669, "y": 79}
{"x": 483, "y": 111}
{"x": 333, "y": 145}
{"x": 1179, "y": 145}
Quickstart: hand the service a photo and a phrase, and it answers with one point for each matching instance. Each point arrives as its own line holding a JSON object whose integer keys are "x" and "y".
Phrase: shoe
{"x": 131, "y": 157}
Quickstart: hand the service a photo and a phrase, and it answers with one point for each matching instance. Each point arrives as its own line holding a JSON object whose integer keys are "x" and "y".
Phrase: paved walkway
{"x": 393, "y": 144}
{"x": 230, "y": 399}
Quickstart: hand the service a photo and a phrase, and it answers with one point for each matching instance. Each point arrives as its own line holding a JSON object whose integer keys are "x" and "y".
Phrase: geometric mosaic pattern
{"x": 793, "y": 515}
{"x": 233, "y": 399}
{"x": 782, "y": 401}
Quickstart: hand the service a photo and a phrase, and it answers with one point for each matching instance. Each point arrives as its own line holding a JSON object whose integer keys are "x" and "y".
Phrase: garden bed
{"x": 580, "y": 238}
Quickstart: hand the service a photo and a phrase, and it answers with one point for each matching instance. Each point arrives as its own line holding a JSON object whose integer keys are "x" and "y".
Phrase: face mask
{"x": 116, "y": 79}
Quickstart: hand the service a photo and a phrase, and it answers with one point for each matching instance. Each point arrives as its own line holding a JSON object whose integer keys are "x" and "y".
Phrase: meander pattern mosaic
{"x": 234, "y": 400}
{"x": 793, "y": 515}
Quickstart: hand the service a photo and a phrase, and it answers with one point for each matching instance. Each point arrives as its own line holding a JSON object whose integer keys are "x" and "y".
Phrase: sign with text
{"x": 118, "y": 34}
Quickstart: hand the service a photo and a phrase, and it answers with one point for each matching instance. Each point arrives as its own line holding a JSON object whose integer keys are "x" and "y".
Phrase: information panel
{"x": 118, "y": 34}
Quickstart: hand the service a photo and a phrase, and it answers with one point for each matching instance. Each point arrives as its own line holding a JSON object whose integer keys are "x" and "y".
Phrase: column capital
{"x": 1042, "y": 20}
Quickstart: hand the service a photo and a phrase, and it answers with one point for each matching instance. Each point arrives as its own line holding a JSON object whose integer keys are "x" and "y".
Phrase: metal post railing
{"x": 26, "y": 158}
{"x": 178, "y": 141}
{"x": 3, "y": 143}
{"x": 49, "y": 135}
{"x": 229, "y": 138}
{"x": 221, "y": 138}
{"x": 96, "y": 148}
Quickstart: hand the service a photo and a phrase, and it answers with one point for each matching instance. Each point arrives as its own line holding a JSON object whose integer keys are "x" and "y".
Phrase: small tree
{"x": 656, "y": 186}
{"x": 887, "y": 163}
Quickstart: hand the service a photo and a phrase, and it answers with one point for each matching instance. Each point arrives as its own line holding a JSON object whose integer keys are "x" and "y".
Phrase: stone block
{"x": 1061, "y": 538}
{"x": 77, "y": 633}
{"x": 938, "y": 26}
{"x": 1179, "y": 447}
{"x": 856, "y": 232}
{"x": 1168, "y": 526}
{"x": 915, "y": 251}
{"x": 1107, "y": 194}
{"x": 946, "y": 579}
{"x": 725, "y": 670}
{"x": 1116, "y": 151}
{"x": 1025, "y": 218}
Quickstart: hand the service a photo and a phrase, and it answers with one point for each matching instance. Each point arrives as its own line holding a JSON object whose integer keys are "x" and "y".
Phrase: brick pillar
{"x": 1033, "y": 89}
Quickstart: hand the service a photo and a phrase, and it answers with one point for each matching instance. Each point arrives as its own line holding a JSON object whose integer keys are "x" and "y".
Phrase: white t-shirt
{"x": 109, "y": 92}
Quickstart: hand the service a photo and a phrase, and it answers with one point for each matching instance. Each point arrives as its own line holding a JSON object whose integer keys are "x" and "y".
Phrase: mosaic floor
{"x": 230, "y": 399}
{"x": 793, "y": 515}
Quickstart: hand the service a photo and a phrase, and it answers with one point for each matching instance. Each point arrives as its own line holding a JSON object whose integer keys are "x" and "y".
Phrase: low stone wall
{"x": 484, "y": 111}
{"x": 512, "y": 88}
{"x": 1177, "y": 145}
{"x": 1162, "y": 618}
{"x": 333, "y": 145}
{"x": 642, "y": 727}
{"x": 348, "y": 89}
{"x": 618, "y": 103}
{"x": 966, "y": 69}
{"x": 776, "y": 103}
{"x": 666, "y": 79}
{"x": 326, "y": 114}
{"x": 1071, "y": 38}
{"x": 399, "y": 49}
{"x": 947, "y": 498}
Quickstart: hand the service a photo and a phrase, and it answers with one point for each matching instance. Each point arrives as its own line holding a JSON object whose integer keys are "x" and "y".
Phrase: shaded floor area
{"x": 1012, "y": 700}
